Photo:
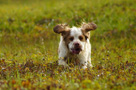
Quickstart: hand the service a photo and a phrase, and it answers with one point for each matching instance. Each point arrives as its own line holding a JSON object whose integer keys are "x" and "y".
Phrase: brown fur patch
{"x": 64, "y": 30}
{"x": 86, "y": 34}
{"x": 86, "y": 27}
{"x": 82, "y": 38}
{"x": 66, "y": 37}
{"x": 89, "y": 26}
{"x": 61, "y": 28}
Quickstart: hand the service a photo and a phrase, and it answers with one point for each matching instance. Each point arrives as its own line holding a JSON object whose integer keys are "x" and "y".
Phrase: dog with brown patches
{"x": 74, "y": 44}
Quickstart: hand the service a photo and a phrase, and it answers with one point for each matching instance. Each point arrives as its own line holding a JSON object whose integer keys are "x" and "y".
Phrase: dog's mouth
{"x": 76, "y": 50}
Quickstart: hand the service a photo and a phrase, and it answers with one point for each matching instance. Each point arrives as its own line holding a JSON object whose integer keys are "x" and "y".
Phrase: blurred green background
{"x": 28, "y": 43}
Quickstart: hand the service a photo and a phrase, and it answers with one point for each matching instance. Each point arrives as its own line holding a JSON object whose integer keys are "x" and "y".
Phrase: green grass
{"x": 28, "y": 44}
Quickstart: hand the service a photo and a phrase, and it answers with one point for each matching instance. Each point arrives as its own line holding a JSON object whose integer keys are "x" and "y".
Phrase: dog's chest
{"x": 72, "y": 60}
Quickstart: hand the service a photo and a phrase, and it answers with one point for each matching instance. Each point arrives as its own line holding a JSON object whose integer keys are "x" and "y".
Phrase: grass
{"x": 28, "y": 44}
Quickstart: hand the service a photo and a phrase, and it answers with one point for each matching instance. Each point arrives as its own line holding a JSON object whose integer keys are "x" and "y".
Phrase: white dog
{"x": 74, "y": 46}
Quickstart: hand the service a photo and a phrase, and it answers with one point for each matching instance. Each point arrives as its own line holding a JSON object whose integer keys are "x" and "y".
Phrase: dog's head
{"x": 75, "y": 38}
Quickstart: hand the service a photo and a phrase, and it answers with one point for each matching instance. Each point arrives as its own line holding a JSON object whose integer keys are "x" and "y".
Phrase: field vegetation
{"x": 28, "y": 45}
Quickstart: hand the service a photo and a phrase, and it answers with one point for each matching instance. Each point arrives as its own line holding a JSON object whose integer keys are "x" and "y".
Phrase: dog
{"x": 74, "y": 44}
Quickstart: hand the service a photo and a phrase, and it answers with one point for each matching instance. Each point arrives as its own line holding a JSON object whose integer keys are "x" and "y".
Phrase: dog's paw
{"x": 90, "y": 65}
{"x": 84, "y": 67}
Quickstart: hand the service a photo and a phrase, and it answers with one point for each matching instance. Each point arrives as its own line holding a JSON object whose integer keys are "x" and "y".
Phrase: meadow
{"x": 28, "y": 45}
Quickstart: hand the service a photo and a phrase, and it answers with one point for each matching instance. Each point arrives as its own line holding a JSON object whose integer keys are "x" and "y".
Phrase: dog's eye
{"x": 81, "y": 37}
{"x": 71, "y": 38}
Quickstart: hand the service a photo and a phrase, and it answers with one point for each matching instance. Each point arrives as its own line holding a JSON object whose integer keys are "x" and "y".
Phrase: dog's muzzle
{"x": 76, "y": 49}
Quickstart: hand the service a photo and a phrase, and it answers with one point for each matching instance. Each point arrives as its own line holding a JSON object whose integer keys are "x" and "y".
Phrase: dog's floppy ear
{"x": 60, "y": 28}
{"x": 88, "y": 26}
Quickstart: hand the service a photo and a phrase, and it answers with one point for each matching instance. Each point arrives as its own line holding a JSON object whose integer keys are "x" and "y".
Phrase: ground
{"x": 28, "y": 45}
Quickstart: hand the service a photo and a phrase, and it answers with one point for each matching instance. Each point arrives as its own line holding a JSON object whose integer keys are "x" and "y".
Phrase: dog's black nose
{"x": 76, "y": 44}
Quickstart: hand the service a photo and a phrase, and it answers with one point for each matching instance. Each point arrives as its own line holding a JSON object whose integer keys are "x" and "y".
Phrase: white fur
{"x": 76, "y": 32}
{"x": 84, "y": 56}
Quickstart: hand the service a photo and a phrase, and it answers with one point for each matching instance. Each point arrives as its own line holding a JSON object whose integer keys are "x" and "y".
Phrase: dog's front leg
{"x": 84, "y": 64}
{"x": 83, "y": 61}
{"x": 62, "y": 61}
{"x": 62, "y": 56}
{"x": 89, "y": 62}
